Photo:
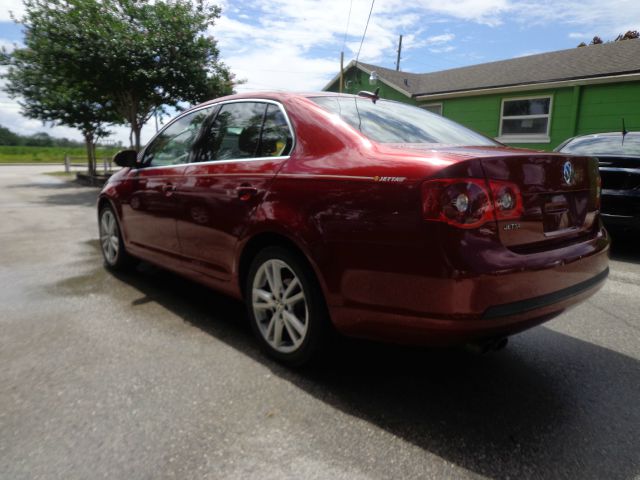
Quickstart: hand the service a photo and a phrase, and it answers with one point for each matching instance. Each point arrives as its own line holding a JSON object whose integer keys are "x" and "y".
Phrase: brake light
{"x": 470, "y": 202}
{"x": 507, "y": 200}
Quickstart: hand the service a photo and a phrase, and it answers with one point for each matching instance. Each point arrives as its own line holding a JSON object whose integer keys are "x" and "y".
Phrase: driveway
{"x": 146, "y": 375}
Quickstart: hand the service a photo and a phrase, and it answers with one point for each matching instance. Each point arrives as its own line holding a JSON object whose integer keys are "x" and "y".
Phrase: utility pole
{"x": 399, "y": 52}
{"x": 341, "y": 71}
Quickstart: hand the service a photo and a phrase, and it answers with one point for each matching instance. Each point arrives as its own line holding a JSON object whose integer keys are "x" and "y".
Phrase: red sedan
{"x": 351, "y": 213}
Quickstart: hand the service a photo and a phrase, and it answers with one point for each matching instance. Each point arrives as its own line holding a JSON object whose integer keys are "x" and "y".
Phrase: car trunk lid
{"x": 560, "y": 197}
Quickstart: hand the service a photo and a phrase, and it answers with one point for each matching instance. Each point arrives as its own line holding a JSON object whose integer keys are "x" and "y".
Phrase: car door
{"x": 234, "y": 162}
{"x": 151, "y": 209}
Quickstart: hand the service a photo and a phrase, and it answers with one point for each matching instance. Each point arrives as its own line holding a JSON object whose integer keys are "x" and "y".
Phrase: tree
{"x": 7, "y": 137}
{"x": 45, "y": 91}
{"x": 629, "y": 35}
{"x": 148, "y": 56}
{"x": 92, "y": 62}
{"x": 46, "y": 94}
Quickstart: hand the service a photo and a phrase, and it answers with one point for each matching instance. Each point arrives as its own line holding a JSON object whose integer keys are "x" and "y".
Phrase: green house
{"x": 536, "y": 101}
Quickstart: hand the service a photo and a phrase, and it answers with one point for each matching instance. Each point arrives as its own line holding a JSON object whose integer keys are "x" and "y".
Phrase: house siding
{"x": 482, "y": 113}
{"x": 575, "y": 110}
{"x": 357, "y": 80}
{"x": 603, "y": 107}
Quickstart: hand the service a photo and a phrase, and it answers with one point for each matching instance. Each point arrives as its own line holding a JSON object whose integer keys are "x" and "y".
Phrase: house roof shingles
{"x": 616, "y": 58}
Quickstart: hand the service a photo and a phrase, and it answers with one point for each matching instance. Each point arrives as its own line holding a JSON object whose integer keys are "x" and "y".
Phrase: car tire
{"x": 113, "y": 250}
{"x": 286, "y": 307}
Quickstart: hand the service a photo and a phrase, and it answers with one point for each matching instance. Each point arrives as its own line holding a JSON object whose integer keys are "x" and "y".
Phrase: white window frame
{"x": 425, "y": 105}
{"x": 525, "y": 137}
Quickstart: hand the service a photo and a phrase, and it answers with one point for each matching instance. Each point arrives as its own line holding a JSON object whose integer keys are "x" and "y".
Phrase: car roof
{"x": 605, "y": 134}
{"x": 277, "y": 95}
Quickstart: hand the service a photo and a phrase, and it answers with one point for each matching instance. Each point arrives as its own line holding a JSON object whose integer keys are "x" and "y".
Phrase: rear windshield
{"x": 604, "y": 145}
{"x": 393, "y": 122}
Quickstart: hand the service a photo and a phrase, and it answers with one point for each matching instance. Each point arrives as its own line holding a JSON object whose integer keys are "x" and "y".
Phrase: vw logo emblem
{"x": 568, "y": 173}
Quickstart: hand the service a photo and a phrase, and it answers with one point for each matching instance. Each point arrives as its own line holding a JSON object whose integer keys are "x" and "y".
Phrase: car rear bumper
{"x": 621, "y": 221}
{"x": 621, "y": 208}
{"x": 457, "y": 310}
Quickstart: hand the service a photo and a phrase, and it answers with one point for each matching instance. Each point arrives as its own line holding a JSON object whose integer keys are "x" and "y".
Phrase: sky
{"x": 295, "y": 45}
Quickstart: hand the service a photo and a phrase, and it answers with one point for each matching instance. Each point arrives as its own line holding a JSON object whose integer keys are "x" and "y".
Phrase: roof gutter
{"x": 630, "y": 77}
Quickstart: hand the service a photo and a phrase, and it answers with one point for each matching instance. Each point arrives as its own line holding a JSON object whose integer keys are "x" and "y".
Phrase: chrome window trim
{"x": 219, "y": 105}
{"x": 218, "y": 162}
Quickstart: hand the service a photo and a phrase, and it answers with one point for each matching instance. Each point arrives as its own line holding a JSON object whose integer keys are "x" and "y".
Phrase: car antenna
{"x": 624, "y": 131}
{"x": 372, "y": 95}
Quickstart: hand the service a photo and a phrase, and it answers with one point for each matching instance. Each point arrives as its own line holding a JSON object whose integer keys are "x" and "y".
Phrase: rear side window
{"x": 276, "y": 138}
{"x": 394, "y": 122}
{"x": 245, "y": 130}
{"x": 236, "y": 130}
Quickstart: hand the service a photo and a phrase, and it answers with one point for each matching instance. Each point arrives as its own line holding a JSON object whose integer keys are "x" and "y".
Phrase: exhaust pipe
{"x": 487, "y": 345}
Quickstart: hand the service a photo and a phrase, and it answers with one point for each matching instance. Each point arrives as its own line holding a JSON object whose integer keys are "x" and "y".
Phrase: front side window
{"x": 525, "y": 119}
{"x": 173, "y": 145}
{"x": 393, "y": 122}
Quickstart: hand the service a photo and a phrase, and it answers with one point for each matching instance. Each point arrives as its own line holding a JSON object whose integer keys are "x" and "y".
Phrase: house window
{"x": 433, "y": 108}
{"x": 525, "y": 120}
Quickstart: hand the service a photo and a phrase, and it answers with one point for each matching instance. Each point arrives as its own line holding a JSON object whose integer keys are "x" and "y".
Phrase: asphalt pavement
{"x": 149, "y": 376}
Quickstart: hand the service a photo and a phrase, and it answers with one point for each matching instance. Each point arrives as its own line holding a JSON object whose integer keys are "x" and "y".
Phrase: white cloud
{"x": 8, "y": 45}
{"x": 11, "y": 6}
{"x": 440, "y": 39}
{"x": 278, "y": 49}
{"x": 487, "y": 12}
{"x": 445, "y": 49}
{"x": 12, "y": 118}
{"x": 606, "y": 19}
{"x": 295, "y": 44}
{"x": 527, "y": 53}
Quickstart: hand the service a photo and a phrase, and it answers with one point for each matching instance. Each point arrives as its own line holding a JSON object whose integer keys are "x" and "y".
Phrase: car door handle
{"x": 246, "y": 192}
{"x": 168, "y": 188}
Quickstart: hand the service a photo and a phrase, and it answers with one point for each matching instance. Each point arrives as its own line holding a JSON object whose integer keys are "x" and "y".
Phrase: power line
{"x": 365, "y": 30}
{"x": 344, "y": 40}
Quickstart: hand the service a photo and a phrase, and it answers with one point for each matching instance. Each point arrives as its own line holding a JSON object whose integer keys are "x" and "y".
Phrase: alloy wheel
{"x": 280, "y": 306}
{"x": 109, "y": 236}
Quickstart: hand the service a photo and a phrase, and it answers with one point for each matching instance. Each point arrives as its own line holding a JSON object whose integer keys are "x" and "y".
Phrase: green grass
{"x": 63, "y": 174}
{"x": 48, "y": 154}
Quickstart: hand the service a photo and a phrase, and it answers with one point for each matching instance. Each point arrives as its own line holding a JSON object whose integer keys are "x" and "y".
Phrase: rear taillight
{"x": 507, "y": 200}
{"x": 470, "y": 202}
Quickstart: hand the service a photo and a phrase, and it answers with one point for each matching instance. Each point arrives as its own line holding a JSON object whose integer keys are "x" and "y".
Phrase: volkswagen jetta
{"x": 376, "y": 219}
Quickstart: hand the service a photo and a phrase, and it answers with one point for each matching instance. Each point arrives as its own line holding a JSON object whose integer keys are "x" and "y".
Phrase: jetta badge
{"x": 568, "y": 173}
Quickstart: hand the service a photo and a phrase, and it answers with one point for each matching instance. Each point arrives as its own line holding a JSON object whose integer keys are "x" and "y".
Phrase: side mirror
{"x": 126, "y": 158}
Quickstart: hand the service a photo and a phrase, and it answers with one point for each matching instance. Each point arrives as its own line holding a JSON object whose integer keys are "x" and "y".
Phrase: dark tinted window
{"x": 173, "y": 145}
{"x": 524, "y": 126}
{"x": 534, "y": 106}
{"x": 276, "y": 138}
{"x": 244, "y": 130}
{"x": 235, "y": 132}
{"x": 604, "y": 145}
{"x": 393, "y": 122}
